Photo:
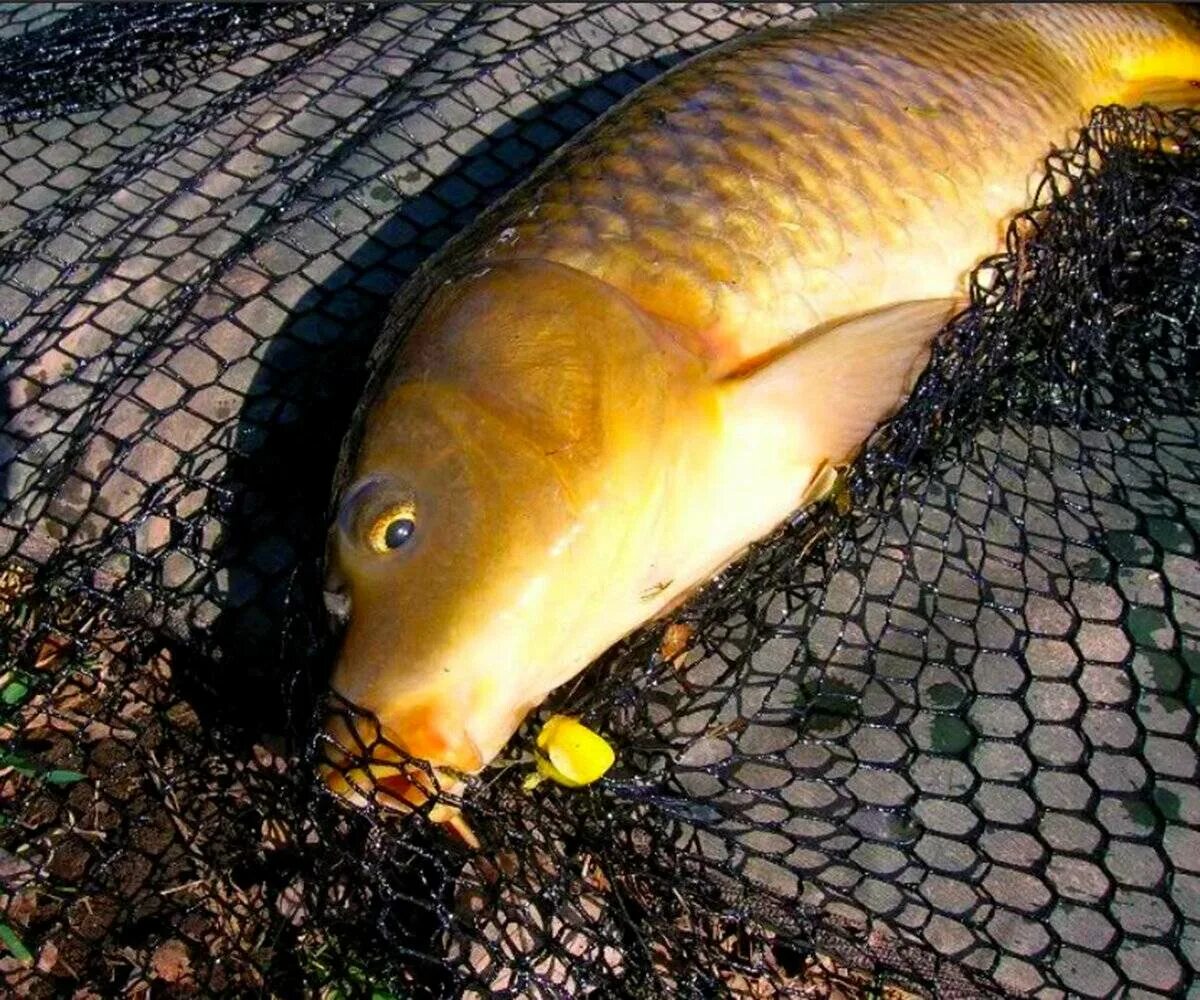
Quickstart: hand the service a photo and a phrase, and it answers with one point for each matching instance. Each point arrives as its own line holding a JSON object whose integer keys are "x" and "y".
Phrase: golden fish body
{"x": 635, "y": 365}
{"x": 806, "y": 174}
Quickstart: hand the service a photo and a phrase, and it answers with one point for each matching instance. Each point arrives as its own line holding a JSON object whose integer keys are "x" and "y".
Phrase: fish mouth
{"x": 362, "y": 763}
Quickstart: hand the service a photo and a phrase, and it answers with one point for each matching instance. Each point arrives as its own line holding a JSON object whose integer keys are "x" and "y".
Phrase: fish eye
{"x": 392, "y": 529}
{"x": 379, "y": 515}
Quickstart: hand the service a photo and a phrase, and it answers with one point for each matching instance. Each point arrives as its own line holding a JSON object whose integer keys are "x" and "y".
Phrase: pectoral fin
{"x": 824, "y": 396}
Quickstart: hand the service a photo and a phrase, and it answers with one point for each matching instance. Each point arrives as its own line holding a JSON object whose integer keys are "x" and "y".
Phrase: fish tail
{"x": 1164, "y": 71}
{"x": 1164, "y": 92}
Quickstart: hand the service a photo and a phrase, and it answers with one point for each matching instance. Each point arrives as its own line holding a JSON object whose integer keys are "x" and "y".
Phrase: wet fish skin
{"x": 635, "y": 365}
{"x": 533, "y": 470}
{"x": 808, "y": 173}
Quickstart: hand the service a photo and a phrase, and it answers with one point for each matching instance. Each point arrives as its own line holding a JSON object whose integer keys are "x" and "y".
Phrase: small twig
{"x": 195, "y": 883}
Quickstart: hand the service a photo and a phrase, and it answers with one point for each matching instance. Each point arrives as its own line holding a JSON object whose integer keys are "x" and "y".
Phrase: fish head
{"x": 502, "y": 491}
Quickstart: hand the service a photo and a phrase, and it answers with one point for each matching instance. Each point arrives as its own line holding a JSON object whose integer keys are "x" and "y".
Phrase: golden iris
{"x": 392, "y": 528}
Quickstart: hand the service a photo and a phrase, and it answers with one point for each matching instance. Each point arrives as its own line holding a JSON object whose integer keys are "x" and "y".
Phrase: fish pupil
{"x": 398, "y": 532}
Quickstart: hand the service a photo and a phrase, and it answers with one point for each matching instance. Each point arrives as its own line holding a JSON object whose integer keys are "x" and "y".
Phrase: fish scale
{"x": 657, "y": 349}
{"x": 795, "y": 177}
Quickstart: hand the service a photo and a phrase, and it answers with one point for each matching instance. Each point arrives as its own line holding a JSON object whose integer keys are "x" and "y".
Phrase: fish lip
{"x": 370, "y": 770}
{"x": 354, "y": 739}
{"x": 355, "y": 752}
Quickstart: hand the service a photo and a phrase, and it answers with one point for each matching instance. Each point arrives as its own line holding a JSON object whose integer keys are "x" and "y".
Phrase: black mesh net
{"x": 937, "y": 737}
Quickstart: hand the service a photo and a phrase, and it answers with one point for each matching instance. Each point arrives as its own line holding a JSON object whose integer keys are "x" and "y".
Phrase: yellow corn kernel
{"x": 570, "y": 753}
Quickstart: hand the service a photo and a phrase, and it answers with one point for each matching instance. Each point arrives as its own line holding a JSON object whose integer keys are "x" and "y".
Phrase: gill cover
{"x": 519, "y": 442}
